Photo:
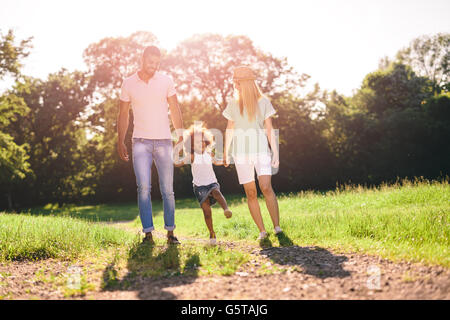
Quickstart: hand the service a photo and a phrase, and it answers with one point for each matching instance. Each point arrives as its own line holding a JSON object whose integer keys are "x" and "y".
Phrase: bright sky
{"x": 336, "y": 42}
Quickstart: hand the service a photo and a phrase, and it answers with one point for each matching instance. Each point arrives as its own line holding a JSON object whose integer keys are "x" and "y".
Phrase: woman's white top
{"x": 202, "y": 170}
{"x": 249, "y": 137}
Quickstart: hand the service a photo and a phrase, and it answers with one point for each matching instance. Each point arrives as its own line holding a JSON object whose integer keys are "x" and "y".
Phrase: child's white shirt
{"x": 202, "y": 169}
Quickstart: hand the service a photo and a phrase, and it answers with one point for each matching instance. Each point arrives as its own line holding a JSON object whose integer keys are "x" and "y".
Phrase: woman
{"x": 250, "y": 128}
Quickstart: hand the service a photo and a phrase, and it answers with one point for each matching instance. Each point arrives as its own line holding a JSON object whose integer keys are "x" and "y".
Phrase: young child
{"x": 198, "y": 142}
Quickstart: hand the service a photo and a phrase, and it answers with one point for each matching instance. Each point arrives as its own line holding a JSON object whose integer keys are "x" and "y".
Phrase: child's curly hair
{"x": 192, "y": 131}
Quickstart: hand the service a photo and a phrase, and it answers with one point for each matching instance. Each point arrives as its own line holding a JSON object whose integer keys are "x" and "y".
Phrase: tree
{"x": 386, "y": 129}
{"x": 437, "y": 110}
{"x": 12, "y": 53}
{"x": 202, "y": 68}
{"x": 429, "y": 56}
{"x": 112, "y": 59}
{"x": 397, "y": 87}
{"x": 56, "y": 134}
{"x": 14, "y": 164}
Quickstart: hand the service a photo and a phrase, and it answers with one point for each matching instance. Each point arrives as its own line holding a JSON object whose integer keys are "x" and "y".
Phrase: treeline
{"x": 58, "y": 135}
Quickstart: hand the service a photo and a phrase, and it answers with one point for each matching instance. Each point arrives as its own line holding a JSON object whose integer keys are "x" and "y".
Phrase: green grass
{"x": 192, "y": 259}
{"x": 188, "y": 259}
{"x": 38, "y": 237}
{"x": 96, "y": 213}
{"x": 26, "y": 237}
{"x": 406, "y": 221}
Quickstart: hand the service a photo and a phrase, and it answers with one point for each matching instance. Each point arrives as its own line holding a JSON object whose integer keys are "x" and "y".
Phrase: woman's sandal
{"x": 278, "y": 230}
{"x": 263, "y": 235}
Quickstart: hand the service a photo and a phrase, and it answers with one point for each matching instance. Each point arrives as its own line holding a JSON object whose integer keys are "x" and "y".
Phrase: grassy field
{"x": 26, "y": 237}
{"x": 407, "y": 221}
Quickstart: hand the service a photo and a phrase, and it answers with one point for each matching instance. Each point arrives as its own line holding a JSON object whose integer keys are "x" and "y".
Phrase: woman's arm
{"x": 228, "y": 138}
{"x": 270, "y": 132}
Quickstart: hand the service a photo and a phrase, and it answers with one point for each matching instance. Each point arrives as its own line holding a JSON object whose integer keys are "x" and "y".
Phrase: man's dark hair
{"x": 151, "y": 50}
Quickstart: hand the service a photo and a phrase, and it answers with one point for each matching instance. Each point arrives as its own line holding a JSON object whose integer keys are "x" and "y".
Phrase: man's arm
{"x": 176, "y": 156}
{"x": 175, "y": 115}
{"x": 122, "y": 127}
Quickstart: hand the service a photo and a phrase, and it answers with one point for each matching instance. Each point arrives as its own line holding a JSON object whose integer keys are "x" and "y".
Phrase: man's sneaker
{"x": 278, "y": 230}
{"x": 172, "y": 240}
{"x": 212, "y": 241}
{"x": 148, "y": 240}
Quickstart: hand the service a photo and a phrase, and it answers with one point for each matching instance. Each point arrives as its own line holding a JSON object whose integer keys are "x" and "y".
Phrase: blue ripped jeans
{"x": 145, "y": 151}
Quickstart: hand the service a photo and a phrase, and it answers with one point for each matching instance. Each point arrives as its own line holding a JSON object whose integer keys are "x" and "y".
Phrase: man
{"x": 150, "y": 94}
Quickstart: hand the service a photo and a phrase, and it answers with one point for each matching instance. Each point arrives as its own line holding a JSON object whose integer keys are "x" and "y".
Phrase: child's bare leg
{"x": 207, "y": 213}
{"x": 221, "y": 200}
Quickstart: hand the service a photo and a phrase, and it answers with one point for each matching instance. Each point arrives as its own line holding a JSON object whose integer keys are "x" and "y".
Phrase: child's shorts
{"x": 204, "y": 192}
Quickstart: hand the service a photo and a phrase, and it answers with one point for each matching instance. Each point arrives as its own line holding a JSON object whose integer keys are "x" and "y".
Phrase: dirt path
{"x": 295, "y": 273}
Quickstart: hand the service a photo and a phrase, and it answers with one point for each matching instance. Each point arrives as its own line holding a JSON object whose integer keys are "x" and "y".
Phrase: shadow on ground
{"x": 283, "y": 240}
{"x": 315, "y": 261}
{"x": 151, "y": 269}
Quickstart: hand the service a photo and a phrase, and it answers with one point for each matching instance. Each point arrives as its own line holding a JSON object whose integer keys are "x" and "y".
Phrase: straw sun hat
{"x": 243, "y": 73}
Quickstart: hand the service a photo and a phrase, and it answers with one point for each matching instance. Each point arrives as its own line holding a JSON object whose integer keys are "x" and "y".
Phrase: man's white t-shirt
{"x": 149, "y": 104}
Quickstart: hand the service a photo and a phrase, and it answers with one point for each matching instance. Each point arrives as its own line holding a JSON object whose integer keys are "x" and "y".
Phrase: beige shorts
{"x": 246, "y": 166}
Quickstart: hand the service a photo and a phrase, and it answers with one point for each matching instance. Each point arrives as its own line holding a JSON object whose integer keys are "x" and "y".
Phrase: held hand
{"x": 275, "y": 161}
{"x": 176, "y": 150}
{"x": 123, "y": 153}
{"x": 226, "y": 161}
{"x": 178, "y": 163}
{"x": 178, "y": 146}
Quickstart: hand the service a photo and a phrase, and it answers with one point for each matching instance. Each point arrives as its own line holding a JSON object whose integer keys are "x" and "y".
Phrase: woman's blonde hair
{"x": 249, "y": 96}
{"x": 249, "y": 93}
